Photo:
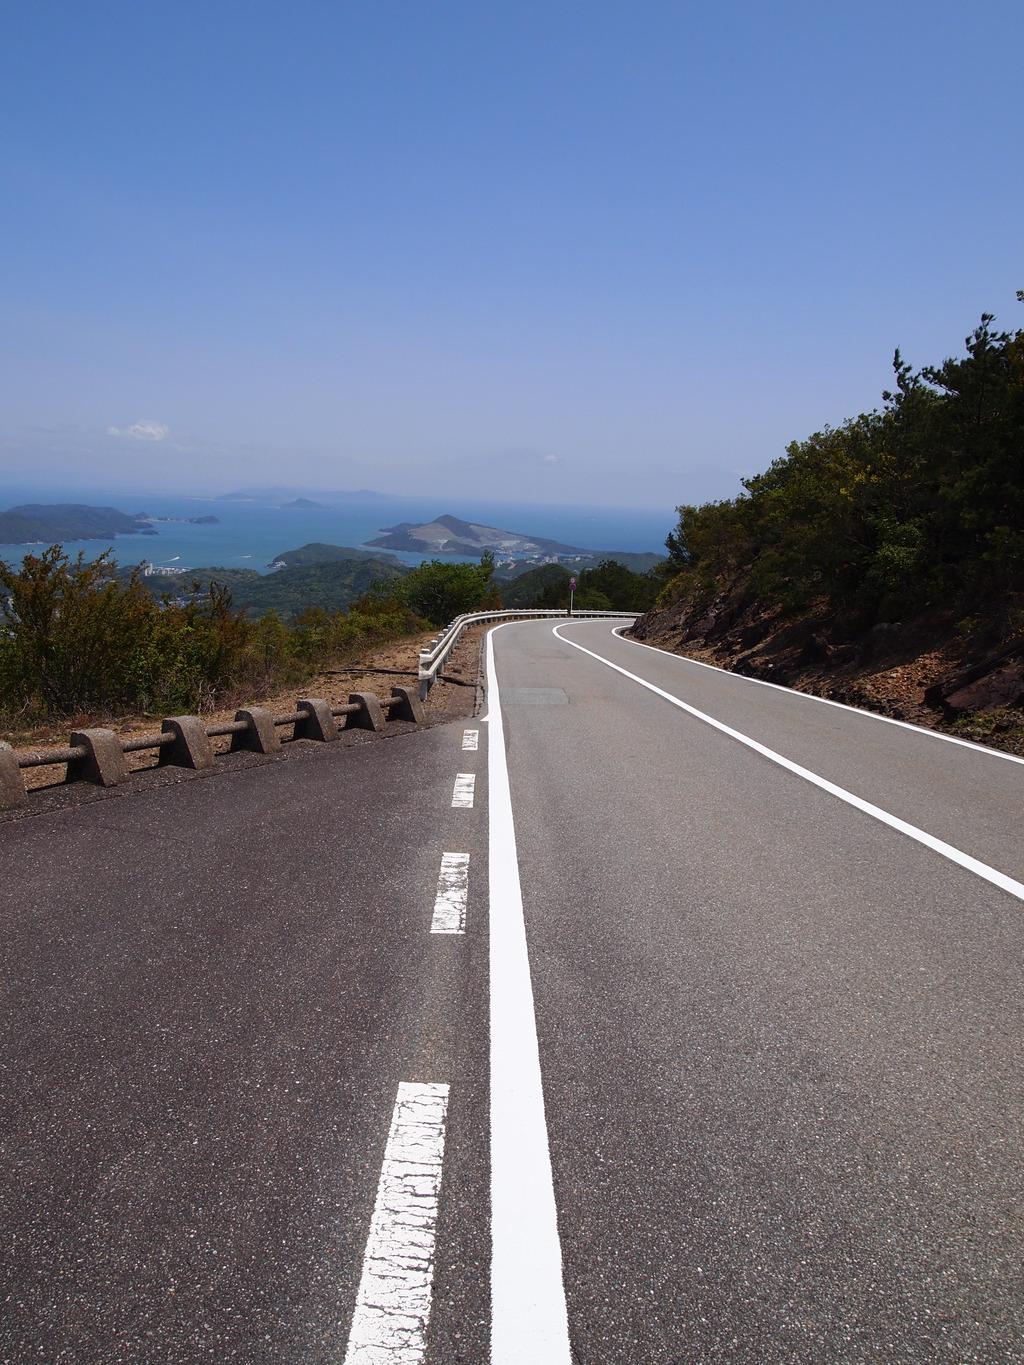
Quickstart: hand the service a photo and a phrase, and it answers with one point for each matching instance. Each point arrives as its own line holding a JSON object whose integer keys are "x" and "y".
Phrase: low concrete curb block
{"x": 405, "y": 705}
{"x": 260, "y": 736}
{"x": 192, "y": 747}
{"x": 317, "y": 723}
{"x": 12, "y": 789}
{"x": 104, "y": 761}
{"x": 369, "y": 716}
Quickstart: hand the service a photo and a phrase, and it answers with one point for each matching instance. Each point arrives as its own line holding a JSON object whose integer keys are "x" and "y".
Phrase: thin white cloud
{"x": 552, "y": 459}
{"x": 142, "y": 431}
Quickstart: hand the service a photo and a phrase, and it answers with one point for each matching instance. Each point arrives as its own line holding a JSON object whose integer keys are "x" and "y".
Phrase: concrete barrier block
{"x": 317, "y": 721}
{"x": 104, "y": 762}
{"x": 12, "y": 788}
{"x": 192, "y": 747}
{"x": 405, "y": 705}
{"x": 259, "y": 736}
{"x": 369, "y": 716}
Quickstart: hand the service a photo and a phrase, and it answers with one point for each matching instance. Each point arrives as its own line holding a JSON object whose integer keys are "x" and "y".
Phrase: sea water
{"x": 250, "y": 534}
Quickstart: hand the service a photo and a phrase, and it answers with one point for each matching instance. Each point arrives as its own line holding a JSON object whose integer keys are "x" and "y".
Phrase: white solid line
{"x": 980, "y": 869}
{"x": 528, "y": 1316}
{"x": 392, "y": 1310}
{"x": 471, "y": 739}
{"x": 825, "y": 701}
{"x": 452, "y": 894}
{"x": 462, "y": 795}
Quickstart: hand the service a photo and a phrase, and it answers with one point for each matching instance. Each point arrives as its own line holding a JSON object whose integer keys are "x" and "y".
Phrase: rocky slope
{"x": 929, "y": 670}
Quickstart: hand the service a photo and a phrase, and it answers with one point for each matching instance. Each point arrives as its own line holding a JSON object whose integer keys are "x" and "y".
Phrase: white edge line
{"x": 394, "y": 1298}
{"x": 825, "y": 701}
{"x": 980, "y": 869}
{"x": 528, "y": 1313}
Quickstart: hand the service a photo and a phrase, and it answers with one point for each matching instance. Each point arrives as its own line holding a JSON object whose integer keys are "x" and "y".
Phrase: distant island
{"x": 318, "y": 553}
{"x": 39, "y": 523}
{"x": 187, "y": 521}
{"x": 306, "y": 504}
{"x": 451, "y": 536}
{"x": 514, "y": 553}
{"x": 276, "y": 492}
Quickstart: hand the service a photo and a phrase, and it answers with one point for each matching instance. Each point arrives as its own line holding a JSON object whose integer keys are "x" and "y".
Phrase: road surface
{"x": 658, "y": 1015}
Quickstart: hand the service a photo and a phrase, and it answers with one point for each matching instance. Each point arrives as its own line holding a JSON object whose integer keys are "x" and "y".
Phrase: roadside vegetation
{"x": 610, "y": 586}
{"x": 880, "y": 561}
{"x": 82, "y": 637}
{"x": 916, "y": 506}
{"x": 77, "y": 638}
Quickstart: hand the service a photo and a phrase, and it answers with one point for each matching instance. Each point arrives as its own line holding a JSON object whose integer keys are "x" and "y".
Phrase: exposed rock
{"x": 922, "y": 670}
{"x": 1002, "y": 687}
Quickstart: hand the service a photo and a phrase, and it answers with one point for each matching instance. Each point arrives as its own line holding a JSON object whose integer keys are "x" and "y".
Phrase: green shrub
{"x": 77, "y": 637}
{"x": 917, "y": 506}
{"x": 609, "y": 587}
{"x": 439, "y": 592}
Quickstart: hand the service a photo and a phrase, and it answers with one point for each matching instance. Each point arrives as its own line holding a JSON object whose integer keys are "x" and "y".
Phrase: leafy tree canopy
{"x": 911, "y": 507}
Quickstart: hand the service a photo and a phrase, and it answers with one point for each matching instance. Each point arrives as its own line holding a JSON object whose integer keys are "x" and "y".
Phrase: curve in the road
{"x": 940, "y": 846}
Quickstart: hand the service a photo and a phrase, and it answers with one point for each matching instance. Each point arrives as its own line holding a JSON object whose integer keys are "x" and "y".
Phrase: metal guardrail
{"x": 433, "y": 658}
{"x": 100, "y": 755}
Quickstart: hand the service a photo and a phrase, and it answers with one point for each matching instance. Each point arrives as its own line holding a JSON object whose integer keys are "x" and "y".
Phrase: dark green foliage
{"x": 919, "y": 506}
{"x": 609, "y": 587}
{"x": 317, "y": 552}
{"x": 524, "y": 590}
{"x": 33, "y": 523}
{"x": 78, "y": 637}
{"x": 439, "y": 592}
{"x": 331, "y": 585}
{"x": 192, "y": 584}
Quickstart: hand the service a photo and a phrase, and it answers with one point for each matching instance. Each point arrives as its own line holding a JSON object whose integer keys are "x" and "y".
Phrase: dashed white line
{"x": 462, "y": 796}
{"x": 452, "y": 895}
{"x": 389, "y": 1325}
{"x": 955, "y": 855}
{"x": 471, "y": 739}
{"x": 528, "y": 1315}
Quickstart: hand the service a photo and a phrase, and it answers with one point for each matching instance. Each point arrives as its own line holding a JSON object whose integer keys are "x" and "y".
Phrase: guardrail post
{"x": 12, "y": 788}
{"x": 192, "y": 747}
{"x": 405, "y": 705}
{"x": 259, "y": 736}
{"x": 104, "y": 762}
{"x": 317, "y": 721}
{"x": 369, "y": 716}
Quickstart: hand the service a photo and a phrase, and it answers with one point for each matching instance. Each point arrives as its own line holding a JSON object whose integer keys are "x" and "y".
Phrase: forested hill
{"x": 316, "y": 552}
{"x": 892, "y": 541}
{"x": 44, "y": 523}
{"x": 327, "y": 586}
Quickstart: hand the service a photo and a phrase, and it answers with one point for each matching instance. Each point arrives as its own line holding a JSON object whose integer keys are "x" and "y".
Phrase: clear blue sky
{"x": 613, "y": 252}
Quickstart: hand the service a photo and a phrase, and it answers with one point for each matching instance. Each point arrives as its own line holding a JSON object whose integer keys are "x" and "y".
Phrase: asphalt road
{"x": 725, "y": 1066}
